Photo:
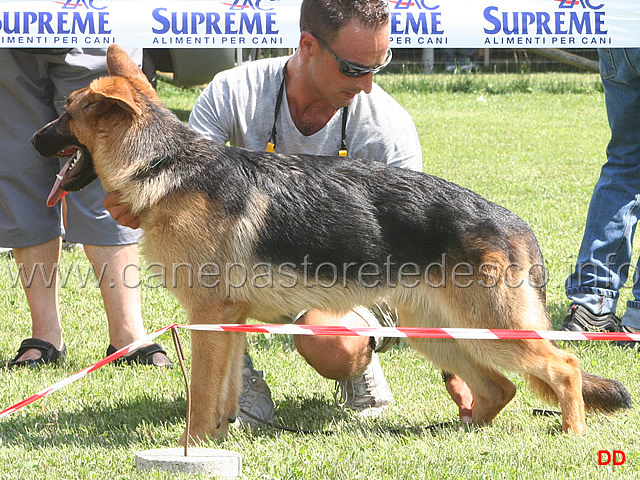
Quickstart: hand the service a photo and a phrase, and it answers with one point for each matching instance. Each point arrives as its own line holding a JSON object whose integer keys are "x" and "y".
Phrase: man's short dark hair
{"x": 325, "y": 18}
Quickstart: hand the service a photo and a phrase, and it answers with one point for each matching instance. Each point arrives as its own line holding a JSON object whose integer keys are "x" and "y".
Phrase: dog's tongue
{"x": 57, "y": 193}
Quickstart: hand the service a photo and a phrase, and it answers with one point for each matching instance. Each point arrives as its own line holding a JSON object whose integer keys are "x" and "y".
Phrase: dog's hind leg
{"x": 215, "y": 372}
{"x": 552, "y": 373}
{"x": 556, "y": 374}
{"x": 491, "y": 390}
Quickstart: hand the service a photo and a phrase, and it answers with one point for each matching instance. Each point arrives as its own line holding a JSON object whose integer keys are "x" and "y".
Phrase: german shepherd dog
{"x": 304, "y": 231}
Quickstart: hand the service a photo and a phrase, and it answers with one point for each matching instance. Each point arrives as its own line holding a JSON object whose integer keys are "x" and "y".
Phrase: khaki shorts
{"x": 33, "y": 88}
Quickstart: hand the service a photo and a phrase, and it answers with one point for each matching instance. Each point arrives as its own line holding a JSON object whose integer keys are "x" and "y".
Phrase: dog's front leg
{"x": 215, "y": 372}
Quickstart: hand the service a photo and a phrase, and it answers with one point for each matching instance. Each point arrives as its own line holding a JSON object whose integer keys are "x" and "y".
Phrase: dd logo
{"x": 615, "y": 457}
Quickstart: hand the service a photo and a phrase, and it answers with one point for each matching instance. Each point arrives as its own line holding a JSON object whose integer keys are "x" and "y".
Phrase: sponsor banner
{"x": 149, "y": 23}
{"x": 515, "y": 23}
{"x": 274, "y": 23}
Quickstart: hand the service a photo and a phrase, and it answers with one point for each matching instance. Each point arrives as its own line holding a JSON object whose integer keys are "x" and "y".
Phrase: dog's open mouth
{"x": 74, "y": 157}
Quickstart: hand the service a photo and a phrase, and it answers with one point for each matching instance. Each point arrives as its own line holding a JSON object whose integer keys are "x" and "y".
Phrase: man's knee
{"x": 335, "y": 357}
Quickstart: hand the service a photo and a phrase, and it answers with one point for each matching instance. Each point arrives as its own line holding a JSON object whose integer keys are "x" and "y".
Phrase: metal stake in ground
{"x": 203, "y": 461}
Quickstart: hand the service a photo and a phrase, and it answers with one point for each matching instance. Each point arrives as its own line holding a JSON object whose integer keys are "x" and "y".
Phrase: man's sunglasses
{"x": 350, "y": 69}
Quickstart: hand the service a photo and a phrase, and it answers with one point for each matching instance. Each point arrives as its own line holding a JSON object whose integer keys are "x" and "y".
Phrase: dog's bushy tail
{"x": 599, "y": 394}
{"x": 604, "y": 395}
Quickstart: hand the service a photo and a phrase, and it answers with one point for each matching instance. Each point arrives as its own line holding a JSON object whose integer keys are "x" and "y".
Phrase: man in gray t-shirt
{"x": 238, "y": 107}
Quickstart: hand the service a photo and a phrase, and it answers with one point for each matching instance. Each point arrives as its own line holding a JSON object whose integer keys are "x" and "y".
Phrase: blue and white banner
{"x": 515, "y": 23}
{"x": 274, "y": 23}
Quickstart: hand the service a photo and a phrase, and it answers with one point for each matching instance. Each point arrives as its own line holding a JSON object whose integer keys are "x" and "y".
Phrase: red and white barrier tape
{"x": 415, "y": 332}
{"x": 291, "y": 329}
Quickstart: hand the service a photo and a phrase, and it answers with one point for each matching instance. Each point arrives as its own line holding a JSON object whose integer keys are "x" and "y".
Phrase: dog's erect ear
{"x": 117, "y": 89}
{"x": 119, "y": 63}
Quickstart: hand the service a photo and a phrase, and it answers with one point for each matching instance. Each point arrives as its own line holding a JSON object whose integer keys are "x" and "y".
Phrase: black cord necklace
{"x": 271, "y": 144}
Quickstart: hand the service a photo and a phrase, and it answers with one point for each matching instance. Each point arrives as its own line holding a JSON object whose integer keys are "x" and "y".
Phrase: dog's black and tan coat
{"x": 278, "y": 234}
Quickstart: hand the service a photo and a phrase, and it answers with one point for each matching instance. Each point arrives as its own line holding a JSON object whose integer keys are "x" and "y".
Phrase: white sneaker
{"x": 256, "y": 404}
{"x": 368, "y": 393}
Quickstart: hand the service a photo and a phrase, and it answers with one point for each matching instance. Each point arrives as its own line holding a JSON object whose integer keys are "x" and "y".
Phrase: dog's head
{"x": 93, "y": 126}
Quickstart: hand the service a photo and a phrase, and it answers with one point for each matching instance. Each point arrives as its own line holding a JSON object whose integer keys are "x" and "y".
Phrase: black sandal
{"x": 142, "y": 356}
{"x": 50, "y": 354}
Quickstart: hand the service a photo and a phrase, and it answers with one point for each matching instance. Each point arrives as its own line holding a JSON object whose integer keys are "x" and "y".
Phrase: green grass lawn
{"x": 533, "y": 143}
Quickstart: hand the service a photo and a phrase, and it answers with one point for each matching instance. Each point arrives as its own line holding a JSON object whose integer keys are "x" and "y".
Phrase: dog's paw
{"x": 199, "y": 436}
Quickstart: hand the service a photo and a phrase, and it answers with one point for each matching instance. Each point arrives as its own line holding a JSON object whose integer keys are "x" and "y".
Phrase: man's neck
{"x": 309, "y": 111}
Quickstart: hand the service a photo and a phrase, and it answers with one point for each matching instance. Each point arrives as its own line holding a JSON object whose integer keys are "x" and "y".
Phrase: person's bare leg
{"x": 41, "y": 289}
{"x": 116, "y": 269}
{"x": 334, "y": 357}
{"x": 461, "y": 394}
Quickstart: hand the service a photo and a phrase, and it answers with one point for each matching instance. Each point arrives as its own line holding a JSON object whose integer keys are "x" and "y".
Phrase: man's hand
{"x": 461, "y": 395}
{"x": 120, "y": 212}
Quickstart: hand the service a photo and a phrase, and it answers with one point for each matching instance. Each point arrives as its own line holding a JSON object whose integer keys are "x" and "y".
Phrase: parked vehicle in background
{"x": 190, "y": 66}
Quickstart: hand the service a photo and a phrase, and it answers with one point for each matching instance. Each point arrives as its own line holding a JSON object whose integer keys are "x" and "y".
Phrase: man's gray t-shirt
{"x": 238, "y": 107}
